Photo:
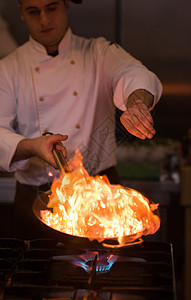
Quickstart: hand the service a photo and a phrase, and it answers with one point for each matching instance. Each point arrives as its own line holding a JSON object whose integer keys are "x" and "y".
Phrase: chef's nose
{"x": 44, "y": 18}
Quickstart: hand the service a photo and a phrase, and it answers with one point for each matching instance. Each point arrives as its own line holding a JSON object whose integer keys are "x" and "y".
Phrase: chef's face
{"x": 47, "y": 20}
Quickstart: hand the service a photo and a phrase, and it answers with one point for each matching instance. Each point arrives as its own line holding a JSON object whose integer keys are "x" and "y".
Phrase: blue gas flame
{"x": 104, "y": 261}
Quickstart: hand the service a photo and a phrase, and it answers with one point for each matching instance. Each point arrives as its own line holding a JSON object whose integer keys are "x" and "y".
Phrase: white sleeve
{"x": 127, "y": 74}
{"x": 8, "y": 144}
{"x": 9, "y": 139}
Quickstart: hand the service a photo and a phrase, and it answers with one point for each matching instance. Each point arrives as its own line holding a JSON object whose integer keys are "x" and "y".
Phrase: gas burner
{"x": 102, "y": 262}
{"x": 42, "y": 269}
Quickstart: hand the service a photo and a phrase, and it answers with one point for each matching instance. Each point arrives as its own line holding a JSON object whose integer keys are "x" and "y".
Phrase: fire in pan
{"x": 89, "y": 212}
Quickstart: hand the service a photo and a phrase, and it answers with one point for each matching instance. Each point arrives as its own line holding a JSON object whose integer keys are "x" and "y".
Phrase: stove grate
{"x": 39, "y": 269}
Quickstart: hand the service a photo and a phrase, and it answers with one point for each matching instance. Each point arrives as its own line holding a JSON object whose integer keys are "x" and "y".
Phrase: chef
{"x": 68, "y": 85}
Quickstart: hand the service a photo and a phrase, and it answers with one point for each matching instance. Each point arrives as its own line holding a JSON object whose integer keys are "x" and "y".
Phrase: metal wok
{"x": 41, "y": 202}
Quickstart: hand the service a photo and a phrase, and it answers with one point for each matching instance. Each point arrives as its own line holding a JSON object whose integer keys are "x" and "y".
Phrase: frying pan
{"x": 41, "y": 202}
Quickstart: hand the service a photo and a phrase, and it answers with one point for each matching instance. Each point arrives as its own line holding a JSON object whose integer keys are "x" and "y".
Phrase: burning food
{"x": 87, "y": 206}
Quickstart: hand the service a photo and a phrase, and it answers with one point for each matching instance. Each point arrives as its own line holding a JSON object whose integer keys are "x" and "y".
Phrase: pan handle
{"x": 60, "y": 160}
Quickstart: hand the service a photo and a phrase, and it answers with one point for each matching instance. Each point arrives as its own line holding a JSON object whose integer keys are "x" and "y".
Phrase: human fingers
{"x": 137, "y": 124}
{"x": 139, "y": 105}
{"x": 60, "y": 147}
{"x": 144, "y": 109}
{"x": 141, "y": 112}
{"x": 130, "y": 127}
{"x": 56, "y": 138}
{"x": 58, "y": 150}
{"x": 44, "y": 147}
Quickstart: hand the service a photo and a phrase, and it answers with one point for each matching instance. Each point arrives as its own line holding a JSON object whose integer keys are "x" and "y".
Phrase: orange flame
{"x": 90, "y": 207}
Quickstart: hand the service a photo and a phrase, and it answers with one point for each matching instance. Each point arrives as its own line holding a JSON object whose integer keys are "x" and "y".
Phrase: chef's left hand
{"x": 137, "y": 118}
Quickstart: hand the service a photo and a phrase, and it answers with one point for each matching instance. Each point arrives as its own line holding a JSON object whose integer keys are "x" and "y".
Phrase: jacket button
{"x": 37, "y": 69}
{"x": 72, "y": 62}
{"x": 75, "y": 93}
{"x": 77, "y": 126}
{"x": 41, "y": 98}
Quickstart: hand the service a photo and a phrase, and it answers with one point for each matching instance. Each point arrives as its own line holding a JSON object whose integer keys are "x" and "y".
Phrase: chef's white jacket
{"x": 73, "y": 93}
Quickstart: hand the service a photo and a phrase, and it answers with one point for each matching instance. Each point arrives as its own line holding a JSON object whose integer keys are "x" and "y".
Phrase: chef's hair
{"x": 63, "y": 0}
{"x": 76, "y": 1}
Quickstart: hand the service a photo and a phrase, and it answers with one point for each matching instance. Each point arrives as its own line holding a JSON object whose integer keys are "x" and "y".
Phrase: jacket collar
{"x": 64, "y": 44}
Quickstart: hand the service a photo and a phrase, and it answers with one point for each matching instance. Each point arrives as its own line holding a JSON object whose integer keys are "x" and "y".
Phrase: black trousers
{"x": 25, "y": 224}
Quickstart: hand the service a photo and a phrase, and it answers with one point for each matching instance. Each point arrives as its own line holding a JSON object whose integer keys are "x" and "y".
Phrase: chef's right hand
{"x": 41, "y": 147}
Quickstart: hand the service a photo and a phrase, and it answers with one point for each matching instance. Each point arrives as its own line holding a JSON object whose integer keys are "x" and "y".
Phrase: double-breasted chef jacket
{"x": 73, "y": 93}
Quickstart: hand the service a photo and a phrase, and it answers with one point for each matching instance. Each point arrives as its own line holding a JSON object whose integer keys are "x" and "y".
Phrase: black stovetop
{"x": 44, "y": 269}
